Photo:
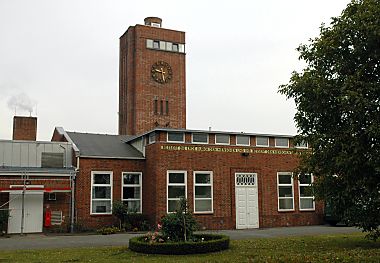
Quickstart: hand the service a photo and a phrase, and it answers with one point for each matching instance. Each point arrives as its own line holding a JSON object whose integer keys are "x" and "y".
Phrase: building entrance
{"x": 247, "y": 208}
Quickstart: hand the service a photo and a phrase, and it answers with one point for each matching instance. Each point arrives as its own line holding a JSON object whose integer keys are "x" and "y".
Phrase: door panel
{"x": 247, "y": 210}
{"x": 33, "y": 212}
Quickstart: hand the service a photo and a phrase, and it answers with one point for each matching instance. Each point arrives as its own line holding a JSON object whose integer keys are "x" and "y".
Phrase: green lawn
{"x": 327, "y": 248}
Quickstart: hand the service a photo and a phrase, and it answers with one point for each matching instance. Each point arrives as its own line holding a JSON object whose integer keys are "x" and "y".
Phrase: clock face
{"x": 161, "y": 72}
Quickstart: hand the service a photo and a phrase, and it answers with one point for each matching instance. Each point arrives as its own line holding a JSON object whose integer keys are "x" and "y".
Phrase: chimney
{"x": 24, "y": 128}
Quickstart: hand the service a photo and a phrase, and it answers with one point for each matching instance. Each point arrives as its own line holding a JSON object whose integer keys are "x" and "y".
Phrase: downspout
{"x": 73, "y": 197}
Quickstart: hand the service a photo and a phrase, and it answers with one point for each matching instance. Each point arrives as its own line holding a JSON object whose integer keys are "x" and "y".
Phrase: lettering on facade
{"x": 224, "y": 149}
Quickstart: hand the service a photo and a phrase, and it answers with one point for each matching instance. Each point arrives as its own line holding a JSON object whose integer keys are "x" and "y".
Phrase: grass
{"x": 327, "y": 248}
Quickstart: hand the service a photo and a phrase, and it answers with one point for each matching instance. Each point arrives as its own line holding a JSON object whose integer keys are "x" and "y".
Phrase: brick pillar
{"x": 24, "y": 128}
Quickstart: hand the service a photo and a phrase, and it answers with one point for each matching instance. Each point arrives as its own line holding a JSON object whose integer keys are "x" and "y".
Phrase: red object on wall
{"x": 47, "y": 218}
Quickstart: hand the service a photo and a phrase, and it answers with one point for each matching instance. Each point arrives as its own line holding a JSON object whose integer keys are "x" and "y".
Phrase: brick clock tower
{"x": 152, "y": 83}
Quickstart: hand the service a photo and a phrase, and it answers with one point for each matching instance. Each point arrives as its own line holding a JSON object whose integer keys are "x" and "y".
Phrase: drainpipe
{"x": 73, "y": 177}
{"x": 23, "y": 206}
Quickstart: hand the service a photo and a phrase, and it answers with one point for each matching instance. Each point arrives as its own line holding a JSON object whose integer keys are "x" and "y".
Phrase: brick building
{"x": 35, "y": 180}
{"x": 231, "y": 180}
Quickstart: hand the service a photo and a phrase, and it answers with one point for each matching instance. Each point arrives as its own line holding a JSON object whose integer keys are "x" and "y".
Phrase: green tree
{"x": 337, "y": 96}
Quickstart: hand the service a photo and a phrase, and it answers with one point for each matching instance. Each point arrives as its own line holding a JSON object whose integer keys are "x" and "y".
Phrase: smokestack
{"x": 24, "y": 128}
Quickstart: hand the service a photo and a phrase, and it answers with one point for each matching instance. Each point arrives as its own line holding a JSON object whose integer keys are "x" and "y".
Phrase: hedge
{"x": 211, "y": 243}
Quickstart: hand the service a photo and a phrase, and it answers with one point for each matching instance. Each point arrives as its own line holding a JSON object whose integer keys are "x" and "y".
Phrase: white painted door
{"x": 247, "y": 205}
{"x": 33, "y": 212}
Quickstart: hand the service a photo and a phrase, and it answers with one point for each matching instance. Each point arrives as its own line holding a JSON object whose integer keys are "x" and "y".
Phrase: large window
{"x": 305, "y": 192}
{"x": 131, "y": 191}
{"x": 222, "y": 139}
{"x": 203, "y": 192}
{"x": 176, "y": 137}
{"x": 262, "y": 141}
{"x": 242, "y": 140}
{"x": 285, "y": 191}
{"x": 200, "y": 138}
{"x": 176, "y": 182}
{"x": 101, "y": 193}
{"x": 282, "y": 142}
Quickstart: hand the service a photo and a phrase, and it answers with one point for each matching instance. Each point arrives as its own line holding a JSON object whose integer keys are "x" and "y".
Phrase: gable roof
{"x": 104, "y": 146}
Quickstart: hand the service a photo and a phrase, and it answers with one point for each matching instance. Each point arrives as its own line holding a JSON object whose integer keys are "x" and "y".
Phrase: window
{"x": 101, "y": 193}
{"x": 162, "y": 45}
{"x": 149, "y": 43}
{"x": 242, "y": 140}
{"x": 203, "y": 192}
{"x": 156, "y": 44}
{"x": 175, "y": 47}
{"x": 167, "y": 107}
{"x": 302, "y": 144}
{"x": 131, "y": 191}
{"x": 176, "y": 137}
{"x": 200, "y": 138}
{"x": 285, "y": 192}
{"x": 262, "y": 141}
{"x": 52, "y": 196}
{"x": 222, "y": 139}
{"x": 161, "y": 107}
{"x": 181, "y": 48}
{"x": 305, "y": 192}
{"x": 155, "y": 24}
{"x": 152, "y": 137}
{"x": 176, "y": 182}
{"x": 155, "y": 106}
{"x": 169, "y": 46}
{"x": 282, "y": 142}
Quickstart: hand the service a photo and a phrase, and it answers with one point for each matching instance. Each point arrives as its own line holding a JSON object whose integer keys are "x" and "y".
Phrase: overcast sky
{"x": 61, "y": 59}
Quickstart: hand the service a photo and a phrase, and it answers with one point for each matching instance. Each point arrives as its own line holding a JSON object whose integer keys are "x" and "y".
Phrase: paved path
{"x": 41, "y": 241}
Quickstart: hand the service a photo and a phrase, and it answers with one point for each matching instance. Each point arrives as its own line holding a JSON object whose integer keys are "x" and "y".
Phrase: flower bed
{"x": 201, "y": 243}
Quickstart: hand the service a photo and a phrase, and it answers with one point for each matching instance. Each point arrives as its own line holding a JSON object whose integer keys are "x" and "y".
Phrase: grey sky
{"x": 63, "y": 57}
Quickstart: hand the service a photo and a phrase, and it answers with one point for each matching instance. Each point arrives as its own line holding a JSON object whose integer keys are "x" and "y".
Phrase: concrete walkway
{"x": 41, "y": 241}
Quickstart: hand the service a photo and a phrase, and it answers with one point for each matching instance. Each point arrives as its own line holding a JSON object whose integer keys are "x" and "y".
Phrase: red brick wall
{"x": 224, "y": 165}
{"x": 137, "y": 89}
{"x": 83, "y": 187}
{"x": 24, "y": 128}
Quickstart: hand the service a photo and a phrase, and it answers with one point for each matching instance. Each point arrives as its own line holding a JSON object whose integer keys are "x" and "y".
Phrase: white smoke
{"x": 21, "y": 102}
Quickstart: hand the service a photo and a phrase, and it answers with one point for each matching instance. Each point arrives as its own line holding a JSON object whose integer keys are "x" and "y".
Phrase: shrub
{"x": 205, "y": 243}
{"x": 108, "y": 230}
{"x": 129, "y": 220}
{"x": 180, "y": 225}
{"x": 135, "y": 221}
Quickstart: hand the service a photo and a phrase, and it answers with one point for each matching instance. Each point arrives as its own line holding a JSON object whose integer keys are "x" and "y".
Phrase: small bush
{"x": 180, "y": 225}
{"x": 136, "y": 222}
{"x": 205, "y": 243}
{"x": 108, "y": 230}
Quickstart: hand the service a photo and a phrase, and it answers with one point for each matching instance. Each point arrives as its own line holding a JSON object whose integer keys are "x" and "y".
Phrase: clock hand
{"x": 158, "y": 70}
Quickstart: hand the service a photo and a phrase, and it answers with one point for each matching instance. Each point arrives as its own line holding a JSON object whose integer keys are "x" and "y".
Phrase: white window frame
{"x": 222, "y": 143}
{"x": 301, "y": 147}
{"x": 262, "y": 145}
{"x": 174, "y": 184}
{"x": 242, "y": 144}
{"x": 287, "y": 185}
{"x": 149, "y": 43}
{"x": 93, "y": 173}
{"x": 131, "y": 185}
{"x": 280, "y": 146}
{"x": 212, "y": 191}
{"x": 192, "y": 138}
{"x": 305, "y": 197}
{"x": 183, "y": 137}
